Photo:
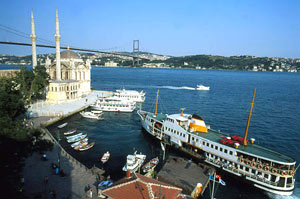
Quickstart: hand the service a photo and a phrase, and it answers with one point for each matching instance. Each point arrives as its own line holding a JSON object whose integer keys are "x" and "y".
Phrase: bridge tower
{"x": 136, "y": 49}
{"x": 33, "y": 40}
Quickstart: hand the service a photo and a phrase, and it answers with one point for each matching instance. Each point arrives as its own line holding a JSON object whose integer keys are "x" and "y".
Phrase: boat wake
{"x": 178, "y": 88}
{"x": 296, "y": 195}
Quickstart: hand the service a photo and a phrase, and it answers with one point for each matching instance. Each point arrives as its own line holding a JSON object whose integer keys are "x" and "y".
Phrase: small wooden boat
{"x": 105, "y": 157}
{"x": 91, "y": 115}
{"x": 62, "y": 125}
{"x": 69, "y": 132}
{"x": 79, "y": 142}
{"x": 87, "y": 147}
{"x": 81, "y": 145}
{"x": 76, "y": 139}
{"x": 74, "y": 136}
{"x": 150, "y": 165}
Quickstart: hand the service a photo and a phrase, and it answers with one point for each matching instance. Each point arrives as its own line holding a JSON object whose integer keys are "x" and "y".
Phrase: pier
{"x": 186, "y": 174}
{"x": 77, "y": 176}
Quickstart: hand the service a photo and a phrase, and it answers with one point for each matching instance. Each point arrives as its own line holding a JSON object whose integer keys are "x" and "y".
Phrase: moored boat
{"x": 134, "y": 162}
{"x": 62, "y": 125}
{"x": 105, "y": 157}
{"x": 104, "y": 184}
{"x": 79, "y": 142}
{"x": 82, "y": 144}
{"x": 104, "y": 104}
{"x": 128, "y": 95}
{"x": 69, "y": 132}
{"x": 87, "y": 147}
{"x": 76, "y": 139}
{"x": 73, "y": 136}
{"x": 91, "y": 115}
{"x": 265, "y": 169}
{"x": 150, "y": 165}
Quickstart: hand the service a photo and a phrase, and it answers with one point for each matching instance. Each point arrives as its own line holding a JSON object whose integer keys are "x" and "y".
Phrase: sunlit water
{"x": 275, "y": 122}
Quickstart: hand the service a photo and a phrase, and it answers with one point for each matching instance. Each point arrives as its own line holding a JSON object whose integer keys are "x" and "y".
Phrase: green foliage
{"x": 32, "y": 83}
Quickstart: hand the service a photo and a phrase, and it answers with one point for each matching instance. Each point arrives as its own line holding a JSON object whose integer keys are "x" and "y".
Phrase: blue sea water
{"x": 275, "y": 122}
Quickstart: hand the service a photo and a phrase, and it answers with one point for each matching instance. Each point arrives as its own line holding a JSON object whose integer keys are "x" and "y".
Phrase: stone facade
{"x": 75, "y": 77}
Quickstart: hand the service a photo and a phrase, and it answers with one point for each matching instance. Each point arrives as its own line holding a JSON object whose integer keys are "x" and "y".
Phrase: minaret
{"x": 33, "y": 39}
{"x": 57, "y": 38}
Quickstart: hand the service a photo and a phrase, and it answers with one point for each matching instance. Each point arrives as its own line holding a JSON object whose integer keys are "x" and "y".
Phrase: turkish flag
{"x": 217, "y": 176}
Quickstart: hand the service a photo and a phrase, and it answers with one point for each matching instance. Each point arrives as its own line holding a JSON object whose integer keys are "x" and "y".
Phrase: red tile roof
{"x": 142, "y": 187}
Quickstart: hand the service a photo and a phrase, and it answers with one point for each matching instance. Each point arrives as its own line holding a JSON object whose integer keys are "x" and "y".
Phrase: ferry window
{"x": 225, "y": 151}
{"x": 193, "y": 138}
{"x": 266, "y": 176}
{"x": 273, "y": 178}
{"x": 281, "y": 182}
{"x": 216, "y": 147}
{"x": 212, "y": 146}
{"x": 247, "y": 169}
{"x": 203, "y": 143}
{"x": 196, "y": 140}
{"x": 207, "y": 144}
{"x": 221, "y": 149}
{"x": 241, "y": 167}
{"x": 230, "y": 152}
{"x": 253, "y": 171}
{"x": 289, "y": 180}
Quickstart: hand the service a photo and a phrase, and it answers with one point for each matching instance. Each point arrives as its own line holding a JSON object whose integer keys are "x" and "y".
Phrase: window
{"x": 247, "y": 169}
{"x": 216, "y": 147}
{"x": 230, "y": 152}
{"x": 207, "y": 144}
{"x": 253, "y": 171}
{"x": 266, "y": 176}
{"x": 212, "y": 146}
{"x": 225, "y": 151}
{"x": 241, "y": 167}
{"x": 203, "y": 143}
{"x": 221, "y": 149}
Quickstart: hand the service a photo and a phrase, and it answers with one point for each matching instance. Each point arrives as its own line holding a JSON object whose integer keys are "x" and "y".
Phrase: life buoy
{"x": 274, "y": 170}
{"x": 259, "y": 166}
{"x": 248, "y": 162}
{"x": 253, "y": 164}
{"x": 283, "y": 172}
{"x": 267, "y": 168}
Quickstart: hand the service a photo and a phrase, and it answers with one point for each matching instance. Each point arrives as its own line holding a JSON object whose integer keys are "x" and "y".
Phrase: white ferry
{"x": 104, "y": 104}
{"x": 129, "y": 95}
{"x": 264, "y": 168}
{"x": 134, "y": 162}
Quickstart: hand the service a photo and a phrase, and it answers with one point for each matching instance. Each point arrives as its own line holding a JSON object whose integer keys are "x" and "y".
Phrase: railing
{"x": 254, "y": 176}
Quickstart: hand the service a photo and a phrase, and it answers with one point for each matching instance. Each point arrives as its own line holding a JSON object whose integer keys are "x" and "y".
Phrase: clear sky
{"x": 185, "y": 27}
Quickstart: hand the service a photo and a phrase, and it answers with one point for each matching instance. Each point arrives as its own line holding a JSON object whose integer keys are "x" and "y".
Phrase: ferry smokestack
{"x": 181, "y": 114}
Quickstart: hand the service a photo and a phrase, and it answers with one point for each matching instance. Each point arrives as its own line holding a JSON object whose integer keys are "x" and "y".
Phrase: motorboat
{"x": 134, "y": 162}
{"x": 91, "y": 115}
{"x": 117, "y": 105}
{"x": 62, "y": 125}
{"x": 87, "y": 147}
{"x": 69, "y": 132}
{"x": 105, "y": 157}
{"x": 74, "y": 136}
{"x": 79, "y": 142}
{"x": 202, "y": 88}
{"x": 104, "y": 184}
{"x": 76, "y": 139}
{"x": 150, "y": 165}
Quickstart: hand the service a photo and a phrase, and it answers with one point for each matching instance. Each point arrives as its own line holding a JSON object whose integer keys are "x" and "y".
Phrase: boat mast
{"x": 249, "y": 117}
{"x": 156, "y": 102}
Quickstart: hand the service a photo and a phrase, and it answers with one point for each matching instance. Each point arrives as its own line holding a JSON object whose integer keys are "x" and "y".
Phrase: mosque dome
{"x": 68, "y": 54}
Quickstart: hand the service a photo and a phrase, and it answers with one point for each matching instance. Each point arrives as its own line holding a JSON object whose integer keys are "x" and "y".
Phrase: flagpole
{"x": 213, "y": 187}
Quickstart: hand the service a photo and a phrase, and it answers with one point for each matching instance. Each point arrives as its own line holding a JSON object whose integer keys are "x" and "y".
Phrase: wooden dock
{"x": 185, "y": 174}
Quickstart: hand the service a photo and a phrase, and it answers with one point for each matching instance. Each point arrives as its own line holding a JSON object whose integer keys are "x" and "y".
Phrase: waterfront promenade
{"x": 78, "y": 178}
